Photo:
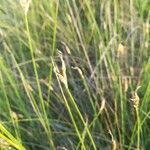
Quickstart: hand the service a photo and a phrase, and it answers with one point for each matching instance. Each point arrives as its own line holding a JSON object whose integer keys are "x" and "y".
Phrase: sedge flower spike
{"x": 25, "y": 5}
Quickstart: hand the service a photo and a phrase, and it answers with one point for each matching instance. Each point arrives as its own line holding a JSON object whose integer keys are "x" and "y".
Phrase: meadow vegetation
{"x": 74, "y": 74}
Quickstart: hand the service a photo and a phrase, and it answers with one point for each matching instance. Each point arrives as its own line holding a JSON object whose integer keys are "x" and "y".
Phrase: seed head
{"x": 135, "y": 99}
{"x": 25, "y": 5}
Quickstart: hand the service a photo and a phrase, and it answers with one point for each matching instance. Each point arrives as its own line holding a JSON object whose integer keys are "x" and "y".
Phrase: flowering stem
{"x": 138, "y": 128}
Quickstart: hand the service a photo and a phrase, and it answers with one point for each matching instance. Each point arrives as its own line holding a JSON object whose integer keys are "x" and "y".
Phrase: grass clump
{"x": 70, "y": 73}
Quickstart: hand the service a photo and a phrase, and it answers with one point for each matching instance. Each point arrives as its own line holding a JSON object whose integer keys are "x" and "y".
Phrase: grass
{"x": 74, "y": 74}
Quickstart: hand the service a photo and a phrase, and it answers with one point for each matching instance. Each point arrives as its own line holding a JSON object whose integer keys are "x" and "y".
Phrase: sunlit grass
{"x": 70, "y": 73}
